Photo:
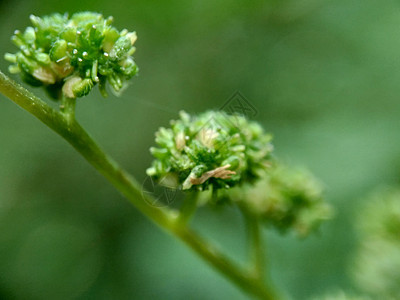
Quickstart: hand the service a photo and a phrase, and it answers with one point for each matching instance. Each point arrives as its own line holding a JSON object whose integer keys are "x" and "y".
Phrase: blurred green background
{"x": 325, "y": 79}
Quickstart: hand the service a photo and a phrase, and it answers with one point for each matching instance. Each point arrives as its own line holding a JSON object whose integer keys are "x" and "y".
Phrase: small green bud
{"x": 115, "y": 81}
{"x": 14, "y": 69}
{"x": 86, "y": 17}
{"x": 76, "y": 87}
{"x": 36, "y": 21}
{"x": 29, "y": 36}
{"x": 42, "y": 58}
{"x": 82, "y": 88}
{"x": 17, "y": 39}
{"x": 10, "y": 57}
{"x": 68, "y": 35}
{"x": 129, "y": 67}
{"x": 111, "y": 35}
{"x": 59, "y": 50}
{"x": 234, "y": 161}
{"x": 159, "y": 152}
{"x": 120, "y": 48}
{"x": 26, "y": 64}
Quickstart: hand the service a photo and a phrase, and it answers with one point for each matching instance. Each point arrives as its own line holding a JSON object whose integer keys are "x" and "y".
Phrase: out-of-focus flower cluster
{"x": 377, "y": 263}
{"x": 285, "y": 198}
{"x": 226, "y": 153}
{"x": 68, "y": 56}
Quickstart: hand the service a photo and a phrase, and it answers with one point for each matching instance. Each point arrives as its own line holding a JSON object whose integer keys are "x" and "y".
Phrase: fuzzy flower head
{"x": 68, "y": 56}
{"x": 213, "y": 149}
{"x": 380, "y": 219}
{"x": 285, "y": 198}
{"x": 376, "y": 266}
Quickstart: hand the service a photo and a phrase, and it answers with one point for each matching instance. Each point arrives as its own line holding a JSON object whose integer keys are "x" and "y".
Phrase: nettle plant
{"x": 215, "y": 158}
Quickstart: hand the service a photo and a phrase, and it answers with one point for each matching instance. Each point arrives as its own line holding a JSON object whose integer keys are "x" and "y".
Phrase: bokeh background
{"x": 325, "y": 79}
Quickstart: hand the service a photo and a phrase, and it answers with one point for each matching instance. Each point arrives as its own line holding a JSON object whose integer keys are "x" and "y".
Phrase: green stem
{"x": 74, "y": 134}
{"x": 67, "y": 107}
{"x": 188, "y": 208}
{"x": 241, "y": 277}
{"x": 256, "y": 246}
{"x": 257, "y": 255}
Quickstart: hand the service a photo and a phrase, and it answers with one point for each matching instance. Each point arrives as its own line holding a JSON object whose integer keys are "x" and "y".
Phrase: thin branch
{"x": 188, "y": 208}
{"x": 257, "y": 254}
{"x": 67, "y": 107}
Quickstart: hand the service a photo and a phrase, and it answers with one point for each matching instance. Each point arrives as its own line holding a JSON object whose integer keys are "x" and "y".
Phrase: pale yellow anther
{"x": 180, "y": 141}
{"x": 132, "y": 36}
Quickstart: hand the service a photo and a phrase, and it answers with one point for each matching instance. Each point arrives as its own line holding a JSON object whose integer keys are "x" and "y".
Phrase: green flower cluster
{"x": 68, "y": 56}
{"x": 216, "y": 151}
{"x": 377, "y": 264}
{"x": 286, "y": 199}
{"x": 212, "y": 150}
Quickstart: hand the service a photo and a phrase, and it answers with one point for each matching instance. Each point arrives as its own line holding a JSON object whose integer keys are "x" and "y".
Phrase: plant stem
{"x": 67, "y": 127}
{"x": 241, "y": 277}
{"x": 257, "y": 254}
{"x": 188, "y": 208}
{"x": 67, "y": 107}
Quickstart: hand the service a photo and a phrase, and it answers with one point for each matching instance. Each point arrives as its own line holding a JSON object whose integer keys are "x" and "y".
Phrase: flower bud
{"x": 120, "y": 48}
{"x": 59, "y": 50}
{"x": 76, "y": 87}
